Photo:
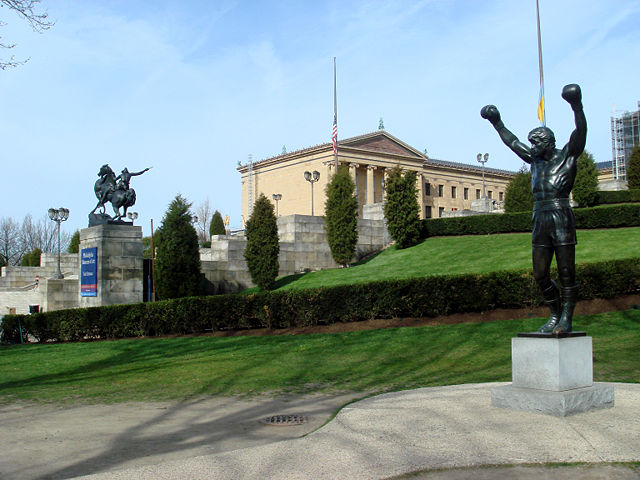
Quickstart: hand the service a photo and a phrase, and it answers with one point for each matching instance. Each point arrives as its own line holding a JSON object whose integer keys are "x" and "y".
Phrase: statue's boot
{"x": 569, "y": 299}
{"x": 552, "y": 298}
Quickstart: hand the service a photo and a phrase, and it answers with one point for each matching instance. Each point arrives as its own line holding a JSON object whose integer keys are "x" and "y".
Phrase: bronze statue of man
{"x": 553, "y": 172}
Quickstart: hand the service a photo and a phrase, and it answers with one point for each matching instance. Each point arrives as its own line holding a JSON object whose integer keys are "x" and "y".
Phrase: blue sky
{"x": 193, "y": 87}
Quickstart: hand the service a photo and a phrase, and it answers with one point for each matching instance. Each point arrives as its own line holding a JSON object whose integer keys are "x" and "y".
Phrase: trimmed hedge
{"x": 620, "y": 196}
{"x": 609, "y": 216}
{"x": 419, "y": 297}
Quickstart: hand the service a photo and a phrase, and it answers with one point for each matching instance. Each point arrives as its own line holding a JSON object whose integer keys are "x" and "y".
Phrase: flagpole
{"x": 335, "y": 117}
{"x": 541, "y": 110}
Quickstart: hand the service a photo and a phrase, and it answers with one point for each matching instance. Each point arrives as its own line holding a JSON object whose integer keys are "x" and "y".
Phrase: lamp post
{"x": 483, "y": 160}
{"x": 312, "y": 178}
{"x": 59, "y": 215}
{"x": 132, "y": 216}
{"x": 277, "y": 197}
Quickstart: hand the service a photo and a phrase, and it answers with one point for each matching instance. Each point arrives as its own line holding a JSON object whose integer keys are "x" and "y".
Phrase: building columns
{"x": 371, "y": 193}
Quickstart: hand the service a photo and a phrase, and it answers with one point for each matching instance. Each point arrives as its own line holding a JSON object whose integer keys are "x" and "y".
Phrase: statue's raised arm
{"x": 573, "y": 95}
{"x": 491, "y": 113}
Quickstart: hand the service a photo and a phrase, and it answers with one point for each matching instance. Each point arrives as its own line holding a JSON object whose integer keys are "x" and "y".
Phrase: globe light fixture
{"x": 312, "y": 178}
{"x": 59, "y": 215}
{"x": 483, "y": 160}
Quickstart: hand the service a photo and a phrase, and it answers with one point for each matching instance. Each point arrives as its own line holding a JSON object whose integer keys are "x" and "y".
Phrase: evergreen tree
{"x": 177, "y": 262}
{"x": 341, "y": 216}
{"x": 74, "y": 244}
{"x": 585, "y": 187}
{"x": 263, "y": 246}
{"x": 216, "y": 227}
{"x": 633, "y": 169}
{"x": 31, "y": 259}
{"x": 401, "y": 209}
{"x": 518, "y": 196}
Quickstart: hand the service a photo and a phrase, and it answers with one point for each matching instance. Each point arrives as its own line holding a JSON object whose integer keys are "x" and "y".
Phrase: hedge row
{"x": 620, "y": 196}
{"x": 609, "y": 216}
{"x": 421, "y": 297}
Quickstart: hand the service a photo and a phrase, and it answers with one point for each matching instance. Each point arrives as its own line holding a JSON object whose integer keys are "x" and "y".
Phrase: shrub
{"x": 216, "y": 227}
{"x": 418, "y": 297}
{"x": 610, "y": 216}
{"x": 341, "y": 216}
{"x": 263, "y": 247}
{"x": 618, "y": 196}
{"x": 633, "y": 169}
{"x": 31, "y": 259}
{"x": 518, "y": 196}
{"x": 401, "y": 209}
{"x": 177, "y": 262}
{"x": 74, "y": 244}
{"x": 585, "y": 187}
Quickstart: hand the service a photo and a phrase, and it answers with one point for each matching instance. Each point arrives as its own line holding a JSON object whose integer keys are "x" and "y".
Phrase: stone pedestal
{"x": 553, "y": 375}
{"x": 119, "y": 264}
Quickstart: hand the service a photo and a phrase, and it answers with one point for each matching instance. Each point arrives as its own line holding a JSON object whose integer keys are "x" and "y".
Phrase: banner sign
{"x": 89, "y": 272}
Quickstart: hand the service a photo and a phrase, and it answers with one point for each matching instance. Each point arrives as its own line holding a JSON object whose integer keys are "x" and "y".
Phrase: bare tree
{"x": 11, "y": 248}
{"x": 203, "y": 212}
{"x": 27, "y": 10}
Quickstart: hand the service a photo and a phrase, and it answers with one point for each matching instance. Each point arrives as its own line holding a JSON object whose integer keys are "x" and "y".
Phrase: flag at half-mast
{"x": 541, "y": 112}
{"x": 334, "y": 135}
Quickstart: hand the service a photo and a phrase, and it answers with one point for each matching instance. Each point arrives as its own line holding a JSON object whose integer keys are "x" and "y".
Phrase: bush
{"x": 633, "y": 169}
{"x": 74, "y": 244}
{"x": 418, "y": 297}
{"x": 401, "y": 209}
{"x": 341, "y": 216}
{"x": 618, "y": 196}
{"x": 31, "y": 259}
{"x": 216, "y": 227}
{"x": 585, "y": 187}
{"x": 610, "y": 216}
{"x": 518, "y": 196}
{"x": 177, "y": 262}
{"x": 263, "y": 246}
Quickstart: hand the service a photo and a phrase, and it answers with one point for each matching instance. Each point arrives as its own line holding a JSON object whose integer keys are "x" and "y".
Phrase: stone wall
{"x": 59, "y": 294}
{"x": 19, "y": 299}
{"x": 303, "y": 248}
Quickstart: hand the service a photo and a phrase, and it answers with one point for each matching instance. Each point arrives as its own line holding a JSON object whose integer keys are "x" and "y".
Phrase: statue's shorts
{"x": 553, "y": 223}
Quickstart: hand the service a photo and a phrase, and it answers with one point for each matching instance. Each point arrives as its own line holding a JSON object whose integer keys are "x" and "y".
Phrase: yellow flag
{"x": 541, "y": 107}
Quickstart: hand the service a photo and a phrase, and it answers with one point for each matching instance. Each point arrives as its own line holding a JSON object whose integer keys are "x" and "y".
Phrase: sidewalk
{"x": 424, "y": 429}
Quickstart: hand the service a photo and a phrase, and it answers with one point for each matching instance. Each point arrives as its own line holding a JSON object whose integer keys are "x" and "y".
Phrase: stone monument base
{"x": 553, "y": 374}
{"x": 559, "y": 404}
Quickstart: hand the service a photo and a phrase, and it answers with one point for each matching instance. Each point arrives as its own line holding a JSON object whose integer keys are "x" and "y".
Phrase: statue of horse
{"x": 106, "y": 190}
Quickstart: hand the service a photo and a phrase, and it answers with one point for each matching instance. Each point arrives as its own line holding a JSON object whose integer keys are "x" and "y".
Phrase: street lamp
{"x": 312, "y": 178}
{"x": 480, "y": 160}
{"x": 59, "y": 215}
{"x": 132, "y": 216}
{"x": 277, "y": 197}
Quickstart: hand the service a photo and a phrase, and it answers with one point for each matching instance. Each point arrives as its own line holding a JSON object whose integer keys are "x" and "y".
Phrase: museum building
{"x": 442, "y": 186}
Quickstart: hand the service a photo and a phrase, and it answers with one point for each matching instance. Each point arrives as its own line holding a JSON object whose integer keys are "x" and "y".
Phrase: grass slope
{"x": 467, "y": 254}
{"x": 378, "y": 360}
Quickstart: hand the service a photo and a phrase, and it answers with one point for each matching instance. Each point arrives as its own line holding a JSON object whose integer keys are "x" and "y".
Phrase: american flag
{"x": 334, "y": 135}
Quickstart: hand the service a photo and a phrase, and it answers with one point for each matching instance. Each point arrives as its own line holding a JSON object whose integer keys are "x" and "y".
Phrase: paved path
{"x": 424, "y": 429}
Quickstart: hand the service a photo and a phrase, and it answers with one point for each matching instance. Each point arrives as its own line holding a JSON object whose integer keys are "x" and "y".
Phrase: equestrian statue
{"x": 109, "y": 188}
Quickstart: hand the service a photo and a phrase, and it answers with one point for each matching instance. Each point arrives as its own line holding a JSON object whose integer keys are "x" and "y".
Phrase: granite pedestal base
{"x": 553, "y": 375}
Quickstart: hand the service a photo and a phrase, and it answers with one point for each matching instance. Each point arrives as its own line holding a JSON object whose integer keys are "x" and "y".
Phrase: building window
{"x": 440, "y": 211}
{"x": 440, "y": 190}
{"x": 427, "y": 189}
{"x": 466, "y": 193}
{"x": 501, "y": 196}
{"x": 477, "y": 194}
{"x": 453, "y": 192}
{"x": 427, "y": 212}
{"x": 489, "y": 193}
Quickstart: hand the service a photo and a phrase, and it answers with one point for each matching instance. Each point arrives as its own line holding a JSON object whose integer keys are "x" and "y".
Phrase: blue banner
{"x": 89, "y": 272}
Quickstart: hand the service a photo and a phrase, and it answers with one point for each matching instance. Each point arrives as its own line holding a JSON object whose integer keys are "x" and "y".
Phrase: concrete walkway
{"x": 425, "y": 429}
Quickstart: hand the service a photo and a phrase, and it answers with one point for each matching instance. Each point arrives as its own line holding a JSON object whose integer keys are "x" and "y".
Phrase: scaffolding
{"x": 250, "y": 184}
{"x": 625, "y": 135}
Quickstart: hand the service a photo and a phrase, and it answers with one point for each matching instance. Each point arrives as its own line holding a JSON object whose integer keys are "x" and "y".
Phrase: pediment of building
{"x": 382, "y": 142}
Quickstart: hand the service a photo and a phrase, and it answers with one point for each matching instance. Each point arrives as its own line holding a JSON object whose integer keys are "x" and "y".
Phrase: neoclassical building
{"x": 442, "y": 186}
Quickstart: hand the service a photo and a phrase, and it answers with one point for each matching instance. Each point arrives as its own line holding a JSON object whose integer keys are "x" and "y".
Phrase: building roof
{"x": 378, "y": 141}
{"x": 604, "y": 165}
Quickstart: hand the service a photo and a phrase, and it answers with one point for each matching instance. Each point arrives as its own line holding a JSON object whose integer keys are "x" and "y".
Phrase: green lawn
{"x": 366, "y": 361}
{"x": 467, "y": 254}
